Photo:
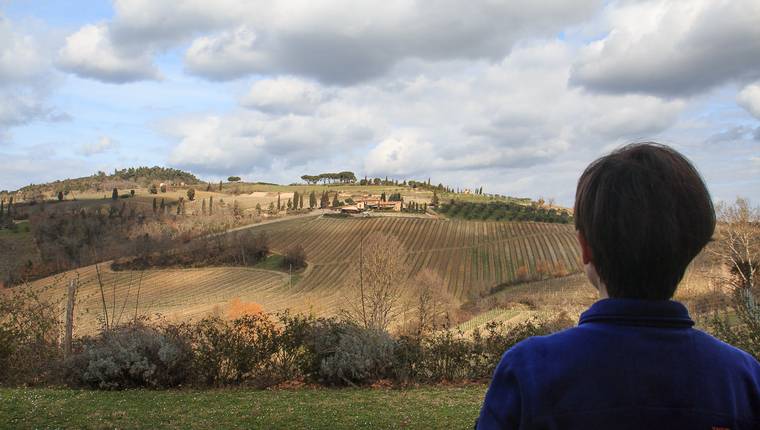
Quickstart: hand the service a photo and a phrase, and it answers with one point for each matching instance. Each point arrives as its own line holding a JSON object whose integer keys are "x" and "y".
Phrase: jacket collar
{"x": 654, "y": 313}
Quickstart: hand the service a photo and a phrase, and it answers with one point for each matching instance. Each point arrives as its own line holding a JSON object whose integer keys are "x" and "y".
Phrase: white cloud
{"x": 466, "y": 121}
{"x": 284, "y": 95}
{"x": 673, "y": 48}
{"x": 90, "y": 53}
{"x": 103, "y": 144}
{"x": 25, "y": 78}
{"x": 348, "y": 42}
{"x": 335, "y": 41}
{"x": 749, "y": 99}
{"x": 22, "y": 58}
{"x": 248, "y": 141}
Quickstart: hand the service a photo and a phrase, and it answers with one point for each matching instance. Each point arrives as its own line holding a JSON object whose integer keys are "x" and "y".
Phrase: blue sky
{"x": 517, "y": 98}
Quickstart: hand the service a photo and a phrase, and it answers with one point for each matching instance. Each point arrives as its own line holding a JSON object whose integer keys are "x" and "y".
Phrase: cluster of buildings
{"x": 371, "y": 202}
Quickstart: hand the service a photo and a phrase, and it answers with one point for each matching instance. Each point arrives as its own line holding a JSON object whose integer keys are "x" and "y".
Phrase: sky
{"x": 514, "y": 96}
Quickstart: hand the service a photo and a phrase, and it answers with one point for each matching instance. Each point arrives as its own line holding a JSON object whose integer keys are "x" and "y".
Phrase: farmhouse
{"x": 371, "y": 202}
{"x": 365, "y": 203}
{"x": 392, "y": 206}
{"x": 353, "y": 209}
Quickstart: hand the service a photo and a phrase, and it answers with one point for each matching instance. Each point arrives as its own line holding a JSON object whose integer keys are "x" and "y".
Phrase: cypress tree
{"x": 300, "y": 201}
{"x": 115, "y": 194}
{"x": 220, "y": 185}
{"x": 163, "y": 206}
{"x": 312, "y": 200}
{"x": 278, "y": 202}
{"x": 60, "y": 196}
{"x": 155, "y": 205}
{"x": 211, "y": 205}
{"x": 203, "y": 207}
{"x": 335, "y": 202}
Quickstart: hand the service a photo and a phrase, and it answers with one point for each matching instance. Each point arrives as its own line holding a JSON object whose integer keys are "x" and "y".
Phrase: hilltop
{"x": 128, "y": 177}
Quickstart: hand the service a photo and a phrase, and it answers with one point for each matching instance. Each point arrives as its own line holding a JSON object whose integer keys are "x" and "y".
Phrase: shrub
{"x": 358, "y": 356}
{"x": 191, "y": 194}
{"x": 29, "y": 329}
{"x": 131, "y": 356}
{"x": 295, "y": 258}
{"x": 235, "y": 352}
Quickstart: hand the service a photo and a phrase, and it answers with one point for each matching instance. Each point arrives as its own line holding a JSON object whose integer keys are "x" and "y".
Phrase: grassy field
{"x": 419, "y": 408}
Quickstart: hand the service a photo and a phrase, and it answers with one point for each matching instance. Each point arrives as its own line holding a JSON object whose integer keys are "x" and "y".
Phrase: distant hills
{"x": 133, "y": 175}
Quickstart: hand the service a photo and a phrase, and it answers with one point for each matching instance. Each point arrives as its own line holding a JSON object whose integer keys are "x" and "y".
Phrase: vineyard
{"x": 471, "y": 258}
{"x": 175, "y": 294}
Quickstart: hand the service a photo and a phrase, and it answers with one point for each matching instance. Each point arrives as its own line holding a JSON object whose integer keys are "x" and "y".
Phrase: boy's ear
{"x": 585, "y": 249}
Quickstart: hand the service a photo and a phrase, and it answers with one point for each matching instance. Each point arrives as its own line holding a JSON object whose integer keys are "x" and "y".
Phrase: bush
{"x": 234, "y": 352}
{"x": 295, "y": 258}
{"x": 354, "y": 355}
{"x": 29, "y": 329}
{"x": 133, "y": 355}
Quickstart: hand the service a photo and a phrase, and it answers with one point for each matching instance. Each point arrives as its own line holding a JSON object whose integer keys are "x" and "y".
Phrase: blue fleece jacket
{"x": 629, "y": 364}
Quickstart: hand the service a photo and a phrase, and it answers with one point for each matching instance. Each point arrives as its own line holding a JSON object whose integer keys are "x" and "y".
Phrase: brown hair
{"x": 645, "y": 213}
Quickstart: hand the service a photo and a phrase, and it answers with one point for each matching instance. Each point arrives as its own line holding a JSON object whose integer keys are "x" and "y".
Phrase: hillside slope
{"x": 470, "y": 257}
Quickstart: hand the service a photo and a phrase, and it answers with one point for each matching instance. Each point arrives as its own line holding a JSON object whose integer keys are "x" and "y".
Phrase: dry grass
{"x": 180, "y": 294}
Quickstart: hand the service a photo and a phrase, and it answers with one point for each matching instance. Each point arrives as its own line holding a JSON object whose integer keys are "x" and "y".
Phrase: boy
{"x": 634, "y": 361}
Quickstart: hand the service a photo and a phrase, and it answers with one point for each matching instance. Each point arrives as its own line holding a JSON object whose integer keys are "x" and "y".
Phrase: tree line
{"x": 345, "y": 177}
{"x": 503, "y": 211}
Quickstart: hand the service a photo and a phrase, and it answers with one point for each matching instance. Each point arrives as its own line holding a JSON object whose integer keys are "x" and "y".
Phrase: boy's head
{"x": 643, "y": 213}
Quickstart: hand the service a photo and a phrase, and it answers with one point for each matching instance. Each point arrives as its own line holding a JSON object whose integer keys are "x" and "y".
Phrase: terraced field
{"x": 470, "y": 257}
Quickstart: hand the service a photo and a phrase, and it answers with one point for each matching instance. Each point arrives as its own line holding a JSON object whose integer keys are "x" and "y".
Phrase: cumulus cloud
{"x": 471, "y": 118}
{"x": 24, "y": 79}
{"x": 22, "y": 58}
{"x": 251, "y": 140}
{"x": 749, "y": 99}
{"x": 103, "y": 144}
{"x": 284, "y": 95}
{"x": 91, "y": 53}
{"x": 337, "y": 41}
{"x": 671, "y": 48}
{"x": 349, "y": 42}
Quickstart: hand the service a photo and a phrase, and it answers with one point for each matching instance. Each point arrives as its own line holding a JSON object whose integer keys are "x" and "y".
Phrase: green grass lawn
{"x": 276, "y": 262}
{"x": 418, "y": 408}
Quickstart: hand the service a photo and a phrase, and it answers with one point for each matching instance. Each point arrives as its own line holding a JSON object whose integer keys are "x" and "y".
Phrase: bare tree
{"x": 738, "y": 244}
{"x": 738, "y": 247}
{"x": 431, "y": 301}
{"x": 375, "y": 290}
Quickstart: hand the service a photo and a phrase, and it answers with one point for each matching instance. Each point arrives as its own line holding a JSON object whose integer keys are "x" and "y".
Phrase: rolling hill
{"x": 471, "y": 258}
